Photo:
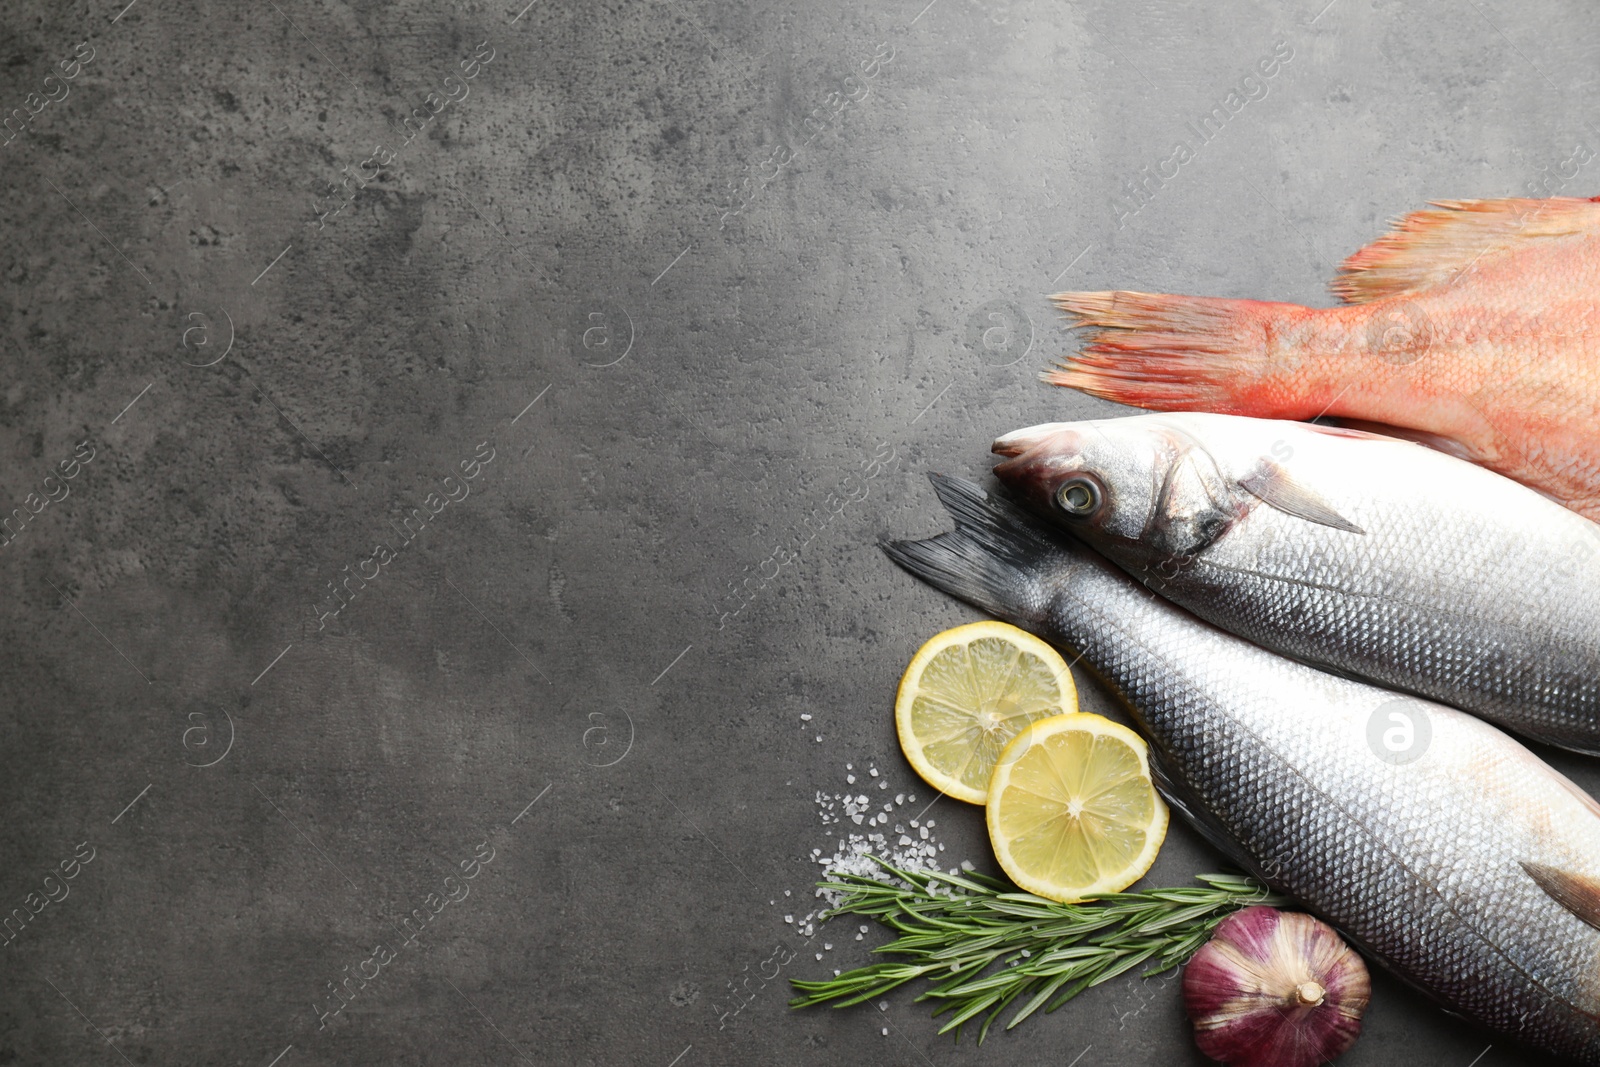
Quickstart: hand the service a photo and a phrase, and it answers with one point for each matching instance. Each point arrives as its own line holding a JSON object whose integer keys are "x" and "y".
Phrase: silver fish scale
{"x": 1418, "y": 863}
{"x": 1464, "y": 587}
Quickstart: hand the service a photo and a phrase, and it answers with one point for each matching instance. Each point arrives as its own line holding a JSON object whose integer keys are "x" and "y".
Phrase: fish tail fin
{"x": 1180, "y": 353}
{"x": 992, "y": 560}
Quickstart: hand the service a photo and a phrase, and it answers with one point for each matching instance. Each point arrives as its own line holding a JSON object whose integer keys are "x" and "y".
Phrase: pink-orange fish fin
{"x": 1429, "y": 248}
{"x": 1173, "y": 353}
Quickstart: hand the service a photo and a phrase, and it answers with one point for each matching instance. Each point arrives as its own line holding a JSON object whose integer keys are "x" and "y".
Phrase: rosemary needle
{"x": 985, "y": 945}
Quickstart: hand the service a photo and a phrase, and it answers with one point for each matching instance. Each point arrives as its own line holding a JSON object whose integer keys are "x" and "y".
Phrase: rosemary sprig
{"x": 955, "y": 930}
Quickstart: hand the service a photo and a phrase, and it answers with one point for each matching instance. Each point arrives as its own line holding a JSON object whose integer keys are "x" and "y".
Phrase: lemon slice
{"x": 1072, "y": 813}
{"x": 968, "y": 692}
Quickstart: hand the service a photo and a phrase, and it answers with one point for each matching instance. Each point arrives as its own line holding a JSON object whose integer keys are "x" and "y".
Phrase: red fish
{"x": 1470, "y": 327}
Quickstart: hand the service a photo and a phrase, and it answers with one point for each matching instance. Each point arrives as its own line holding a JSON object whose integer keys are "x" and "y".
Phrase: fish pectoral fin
{"x": 1578, "y": 893}
{"x": 1428, "y": 248}
{"x": 1276, "y": 488}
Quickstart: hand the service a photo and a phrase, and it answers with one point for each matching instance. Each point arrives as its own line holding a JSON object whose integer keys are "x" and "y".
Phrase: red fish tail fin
{"x": 1179, "y": 353}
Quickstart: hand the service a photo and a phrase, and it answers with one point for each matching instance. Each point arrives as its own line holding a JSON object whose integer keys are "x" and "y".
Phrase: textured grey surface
{"x": 566, "y": 632}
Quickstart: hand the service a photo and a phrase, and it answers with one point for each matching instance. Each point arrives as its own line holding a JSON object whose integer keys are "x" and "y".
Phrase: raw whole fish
{"x": 1364, "y": 554}
{"x": 1466, "y": 865}
{"x": 1472, "y": 326}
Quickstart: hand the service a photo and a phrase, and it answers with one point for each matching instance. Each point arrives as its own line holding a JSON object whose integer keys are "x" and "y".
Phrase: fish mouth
{"x": 1040, "y": 457}
{"x": 1017, "y": 442}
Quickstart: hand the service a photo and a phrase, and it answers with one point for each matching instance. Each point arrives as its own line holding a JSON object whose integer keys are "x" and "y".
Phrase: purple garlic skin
{"x": 1275, "y": 989}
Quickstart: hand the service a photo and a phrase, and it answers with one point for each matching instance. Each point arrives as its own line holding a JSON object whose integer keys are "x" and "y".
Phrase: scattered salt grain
{"x": 805, "y": 718}
{"x": 819, "y": 957}
{"x": 787, "y": 893}
{"x": 857, "y": 852}
{"x": 827, "y": 946}
{"x": 850, "y": 779}
{"x": 788, "y": 918}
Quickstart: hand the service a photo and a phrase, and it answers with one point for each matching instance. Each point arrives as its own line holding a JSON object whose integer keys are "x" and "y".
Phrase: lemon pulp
{"x": 967, "y": 692}
{"x": 1072, "y": 812}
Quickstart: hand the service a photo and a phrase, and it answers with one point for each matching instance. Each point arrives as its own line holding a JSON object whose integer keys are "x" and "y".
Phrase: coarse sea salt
{"x": 853, "y": 853}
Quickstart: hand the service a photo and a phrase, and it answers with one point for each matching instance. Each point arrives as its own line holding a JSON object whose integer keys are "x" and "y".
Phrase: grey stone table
{"x": 480, "y": 419}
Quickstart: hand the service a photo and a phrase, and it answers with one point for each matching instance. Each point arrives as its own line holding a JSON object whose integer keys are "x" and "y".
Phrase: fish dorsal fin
{"x": 1276, "y": 488}
{"x": 1428, "y": 248}
{"x": 1578, "y": 893}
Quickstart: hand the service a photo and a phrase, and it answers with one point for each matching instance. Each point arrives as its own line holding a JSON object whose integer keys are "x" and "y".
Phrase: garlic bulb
{"x": 1275, "y": 989}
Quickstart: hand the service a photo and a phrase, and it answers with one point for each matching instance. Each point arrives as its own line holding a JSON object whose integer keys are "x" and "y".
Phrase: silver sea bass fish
{"x": 1471, "y": 871}
{"x": 1364, "y": 554}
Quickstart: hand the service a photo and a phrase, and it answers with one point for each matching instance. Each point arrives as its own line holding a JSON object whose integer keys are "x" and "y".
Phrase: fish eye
{"x": 1080, "y": 496}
